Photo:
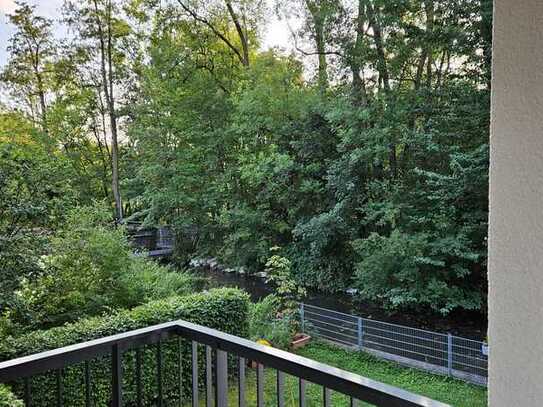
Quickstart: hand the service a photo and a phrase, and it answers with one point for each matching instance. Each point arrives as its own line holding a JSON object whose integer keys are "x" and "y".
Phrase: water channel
{"x": 467, "y": 324}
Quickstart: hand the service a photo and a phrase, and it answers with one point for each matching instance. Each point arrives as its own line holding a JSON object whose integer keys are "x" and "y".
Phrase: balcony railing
{"x": 222, "y": 350}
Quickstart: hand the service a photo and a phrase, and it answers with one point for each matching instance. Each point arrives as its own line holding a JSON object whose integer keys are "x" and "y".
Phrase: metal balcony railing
{"x": 221, "y": 350}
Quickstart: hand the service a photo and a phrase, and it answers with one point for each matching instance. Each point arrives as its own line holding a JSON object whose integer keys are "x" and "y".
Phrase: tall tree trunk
{"x": 323, "y": 64}
{"x": 106, "y": 54}
{"x": 40, "y": 91}
{"x": 113, "y": 119}
{"x": 105, "y": 159}
{"x": 486, "y": 35}
{"x": 359, "y": 94}
{"x": 317, "y": 15}
{"x": 43, "y": 107}
{"x": 384, "y": 76}
{"x": 429, "y": 9}
{"x": 382, "y": 66}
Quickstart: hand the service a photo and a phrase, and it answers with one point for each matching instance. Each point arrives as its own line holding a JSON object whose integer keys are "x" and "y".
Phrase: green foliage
{"x": 394, "y": 271}
{"x": 91, "y": 268}
{"x": 35, "y": 189}
{"x": 147, "y": 280}
{"x": 372, "y": 140}
{"x": 268, "y": 321}
{"x": 393, "y": 157}
{"x": 321, "y": 253}
{"x": 275, "y": 318}
{"x": 8, "y": 399}
{"x": 287, "y": 289}
{"x": 223, "y": 309}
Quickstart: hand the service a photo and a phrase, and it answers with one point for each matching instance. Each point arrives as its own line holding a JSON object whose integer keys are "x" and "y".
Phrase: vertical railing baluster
{"x": 354, "y": 402}
{"x": 28, "y": 392}
{"x": 159, "y": 373}
{"x": 209, "y": 378}
{"x": 139, "y": 387}
{"x": 301, "y": 393}
{"x": 87, "y": 384}
{"x": 280, "y": 389}
{"x": 194, "y": 374}
{"x": 116, "y": 377}
{"x": 326, "y": 397}
{"x": 58, "y": 375}
{"x": 360, "y": 334}
{"x": 222, "y": 379}
{"x": 449, "y": 354}
{"x": 180, "y": 371}
{"x": 260, "y": 385}
{"x": 302, "y": 317}
{"x": 241, "y": 382}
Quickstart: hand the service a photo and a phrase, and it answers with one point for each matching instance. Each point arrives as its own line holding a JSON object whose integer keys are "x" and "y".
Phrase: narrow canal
{"x": 467, "y": 324}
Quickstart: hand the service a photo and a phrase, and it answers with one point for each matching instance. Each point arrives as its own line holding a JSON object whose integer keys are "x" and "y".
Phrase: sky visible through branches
{"x": 277, "y": 33}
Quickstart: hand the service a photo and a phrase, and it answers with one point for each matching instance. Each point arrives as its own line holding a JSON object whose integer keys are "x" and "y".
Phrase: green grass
{"x": 451, "y": 391}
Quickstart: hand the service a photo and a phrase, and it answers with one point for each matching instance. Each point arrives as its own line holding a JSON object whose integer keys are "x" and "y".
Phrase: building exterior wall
{"x": 516, "y": 207}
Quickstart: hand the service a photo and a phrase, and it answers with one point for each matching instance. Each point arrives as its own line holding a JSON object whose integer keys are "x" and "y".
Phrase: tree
{"x": 218, "y": 16}
{"x": 28, "y": 71}
{"x": 323, "y": 27}
{"x": 35, "y": 190}
{"x": 363, "y": 154}
{"x": 100, "y": 28}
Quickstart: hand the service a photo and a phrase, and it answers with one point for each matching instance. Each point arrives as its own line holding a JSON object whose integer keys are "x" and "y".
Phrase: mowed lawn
{"x": 451, "y": 391}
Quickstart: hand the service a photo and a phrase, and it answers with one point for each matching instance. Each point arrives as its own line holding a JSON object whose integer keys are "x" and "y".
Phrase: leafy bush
{"x": 288, "y": 290}
{"x": 267, "y": 322}
{"x": 92, "y": 269}
{"x": 35, "y": 189}
{"x": 321, "y": 255}
{"x": 399, "y": 271}
{"x": 224, "y": 309}
{"x": 147, "y": 280}
{"x": 275, "y": 318}
{"x": 7, "y": 398}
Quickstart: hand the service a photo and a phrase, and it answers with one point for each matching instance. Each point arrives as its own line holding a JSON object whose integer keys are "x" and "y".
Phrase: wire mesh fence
{"x": 436, "y": 352}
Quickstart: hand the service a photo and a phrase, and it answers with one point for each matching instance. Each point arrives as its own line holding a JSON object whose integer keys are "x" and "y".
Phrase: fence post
{"x": 302, "y": 317}
{"x": 360, "y": 334}
{"x": 449, "y": 354}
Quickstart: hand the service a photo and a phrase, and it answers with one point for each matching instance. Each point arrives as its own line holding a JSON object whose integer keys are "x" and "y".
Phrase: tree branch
{"x": 223, "y": 38}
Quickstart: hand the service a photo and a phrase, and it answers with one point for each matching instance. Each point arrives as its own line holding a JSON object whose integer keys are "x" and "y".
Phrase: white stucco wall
{"x": 516, "y": 207}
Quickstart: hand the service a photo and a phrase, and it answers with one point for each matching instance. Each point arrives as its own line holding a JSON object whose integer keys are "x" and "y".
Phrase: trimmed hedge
{"x": 225, "y": 309}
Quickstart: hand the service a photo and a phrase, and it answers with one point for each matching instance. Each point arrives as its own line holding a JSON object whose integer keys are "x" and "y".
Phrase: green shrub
{"x": 8, "y": 399}
{"x": 81, "y": 275}
{"x": 224, "y": 309}
{"x": 400, "y": 271}
{"x": 288, "y": 290}
{"x": 267, "y": 322}
{"x": 148, "y": 280}
{"x": 92, "y": 269}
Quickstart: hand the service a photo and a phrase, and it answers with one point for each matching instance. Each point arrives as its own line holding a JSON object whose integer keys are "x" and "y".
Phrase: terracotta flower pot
{"x": 299, "y": 341}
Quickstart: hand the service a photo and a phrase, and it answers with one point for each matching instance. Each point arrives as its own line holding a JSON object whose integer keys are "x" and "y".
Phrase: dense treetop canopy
{"x": 362, "y": 154}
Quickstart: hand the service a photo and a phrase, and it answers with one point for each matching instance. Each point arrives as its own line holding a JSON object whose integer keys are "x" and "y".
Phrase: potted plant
{"x": 289, "y": 293}
{"x": 300, "y": 340}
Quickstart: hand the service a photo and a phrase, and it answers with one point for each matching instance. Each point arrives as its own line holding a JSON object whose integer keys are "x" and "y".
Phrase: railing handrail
{"x": 333, "y": 378}
{"x": 351, "y": 384}
{"x": 37, "y": 363}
